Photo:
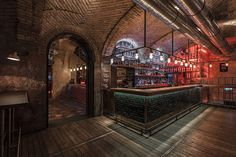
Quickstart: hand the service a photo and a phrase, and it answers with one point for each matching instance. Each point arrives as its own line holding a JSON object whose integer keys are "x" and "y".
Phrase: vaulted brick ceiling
{"x": 107, "y": 21}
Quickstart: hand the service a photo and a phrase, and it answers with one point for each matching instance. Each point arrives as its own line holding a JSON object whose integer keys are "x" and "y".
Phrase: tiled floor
{"x": 65, "y": 108}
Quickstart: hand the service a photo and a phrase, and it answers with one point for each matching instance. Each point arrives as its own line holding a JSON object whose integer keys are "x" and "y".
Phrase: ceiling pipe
{"x": 199, "y": 13}
{"x": 171, "y": 16}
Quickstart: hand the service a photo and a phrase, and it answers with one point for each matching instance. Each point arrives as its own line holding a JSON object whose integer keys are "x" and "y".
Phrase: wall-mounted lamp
{"x": 13, "y": 57}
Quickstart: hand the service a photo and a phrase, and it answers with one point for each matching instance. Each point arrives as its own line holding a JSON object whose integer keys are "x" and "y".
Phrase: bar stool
{"x": 8, "y": 102}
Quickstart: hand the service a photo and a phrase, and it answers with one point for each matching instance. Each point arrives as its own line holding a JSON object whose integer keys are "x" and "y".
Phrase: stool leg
{"x": 9, "y": 132}
{"x": 2, "y": 132}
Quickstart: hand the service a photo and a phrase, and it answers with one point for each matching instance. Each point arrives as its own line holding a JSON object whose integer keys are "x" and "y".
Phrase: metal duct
{"x": 170, "y": 16}
{"x": 199, "y": 13}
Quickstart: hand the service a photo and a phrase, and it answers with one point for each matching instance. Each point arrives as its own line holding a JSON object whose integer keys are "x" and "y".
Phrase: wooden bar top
{"x": 13, "y": 99}
{"x": 153, "y": 91}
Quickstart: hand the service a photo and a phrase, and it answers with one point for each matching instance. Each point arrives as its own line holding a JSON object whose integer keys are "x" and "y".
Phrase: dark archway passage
{"x": 70, "y": 79}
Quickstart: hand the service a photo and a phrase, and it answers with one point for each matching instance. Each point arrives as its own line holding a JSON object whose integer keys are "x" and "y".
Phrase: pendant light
{"x": 161, "y": 57}
{"x": 13, "y": 57}
{"x": 176, "y": 61}
{"x": 181, "y": 63}
{"x": 168, "y": 60}
{"x": 77, "y": 69}
{"x": 186, "y": 64}
{"x": 190, "y": 65}
{"x": 111, "y": 61}
{"x": 81, "y": 68}
{"x": 194, "y": 66}
{"x": 151, "y": 55}
{"x": 136, "y": 55}
{"x": 210, "y": 65}
{"x": 122, "y": 58}
{"x": 85, "y": 67}
{"x": 227, "y": 64}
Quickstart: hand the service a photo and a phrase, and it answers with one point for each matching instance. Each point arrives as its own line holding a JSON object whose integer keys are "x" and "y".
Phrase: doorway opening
{"x": 69, "y": 80}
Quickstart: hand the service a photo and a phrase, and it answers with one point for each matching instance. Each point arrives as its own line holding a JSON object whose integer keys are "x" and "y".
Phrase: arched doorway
{"x": 70, "y": 79}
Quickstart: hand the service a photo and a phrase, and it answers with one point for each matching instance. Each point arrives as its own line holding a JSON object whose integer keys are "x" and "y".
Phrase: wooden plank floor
{"x": 206, "y": 132}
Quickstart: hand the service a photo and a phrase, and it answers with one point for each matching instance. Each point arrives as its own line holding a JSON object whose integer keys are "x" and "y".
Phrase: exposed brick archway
{"x": 47, "y": 38}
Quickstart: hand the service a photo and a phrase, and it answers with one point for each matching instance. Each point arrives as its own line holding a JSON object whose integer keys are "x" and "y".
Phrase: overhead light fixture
{"x": 71, "y": 70}
{"x": 136, "y": 55}
{"x": 161, "y": 57}
{"x": 194, "y": 66}
{"x": 186, "y": 64}
{"x": 227, "y": 64}
{"x": 181, "y": 63}
{"x": 85, "y": 67}
{"x": 77, "y": 69}
{"x": 122, "y": 58}
{"x": 210, "y": 65}
{"x": 190, "y": 65}
{"x": 176, "y": 61}
{"x": 80, "y": 68}
{"x": 13, "y": 57}
{"x": 112, "y": 61}
{"x": 74, "y": 69}
{"x": 151, "y": 55}
{"x": 168, "y": 60}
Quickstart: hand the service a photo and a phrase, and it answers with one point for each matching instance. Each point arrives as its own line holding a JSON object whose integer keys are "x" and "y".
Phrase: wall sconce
{"x": 13, "y": 57}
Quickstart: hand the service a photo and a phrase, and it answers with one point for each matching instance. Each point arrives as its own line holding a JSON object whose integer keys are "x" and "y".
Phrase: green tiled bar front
{"x": 133, "y": 106}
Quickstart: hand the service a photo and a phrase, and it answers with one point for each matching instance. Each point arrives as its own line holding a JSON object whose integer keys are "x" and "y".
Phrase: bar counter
{"x": 146, "y": 106}
{"x": 153, "y": 91}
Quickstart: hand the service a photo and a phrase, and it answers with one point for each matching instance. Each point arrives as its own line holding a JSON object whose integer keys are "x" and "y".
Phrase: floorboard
{"x": 206, "y": 132}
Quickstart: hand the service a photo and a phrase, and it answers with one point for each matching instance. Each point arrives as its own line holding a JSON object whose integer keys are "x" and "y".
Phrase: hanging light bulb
{"x": 77, "y": 69}
{"x": 168, "y": 60}
{"x": 161, "y": 57}
{"x": 151, "y": 55}
{"x": 112, "y": 61}
{"x": 81, "y": 68}
{"x": 181, "y": 63}
{"x": 190, "y": 65}
{"x": 122, "y": 58}
{"x": 74, "y": 69}
{"x": 186, "y": 64}
{"x": 227, "y": 64}
{"x": 136, "y": 55}
{"x": 71, "y": 70}
{"x": 85, "y": 67}
{"x": 210, "y": 65}
{"x": 176, "y": 61}
{"x": 194, "y": 66}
